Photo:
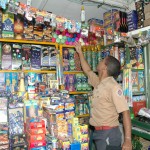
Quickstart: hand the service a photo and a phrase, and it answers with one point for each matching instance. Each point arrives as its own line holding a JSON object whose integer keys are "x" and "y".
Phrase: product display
{"x": 45, "y": 97}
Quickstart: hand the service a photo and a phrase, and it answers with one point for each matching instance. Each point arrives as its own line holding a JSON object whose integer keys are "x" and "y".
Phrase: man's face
{"x": 101, "y": 66}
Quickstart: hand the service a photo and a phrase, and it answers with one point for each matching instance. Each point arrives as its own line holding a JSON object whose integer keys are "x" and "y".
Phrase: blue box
{"x": 75, "y": 146}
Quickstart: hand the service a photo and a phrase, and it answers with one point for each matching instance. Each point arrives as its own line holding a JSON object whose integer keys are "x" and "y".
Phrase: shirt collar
{"x": 106, "y": 79}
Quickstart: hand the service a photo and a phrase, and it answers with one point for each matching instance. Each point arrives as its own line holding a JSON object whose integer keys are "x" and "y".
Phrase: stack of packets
{"x": 4, "y": 138}
{"x": 80, "y": 133}
{"x": 140, "y": 11}
{"x": 35, "y": 126}
{"x": 36, "y": 131}
{"x": 62, "y": 124}
{"x": 147, "y": 15}
{"x": 108, "y": 25}
{"x": 132, "y": 19}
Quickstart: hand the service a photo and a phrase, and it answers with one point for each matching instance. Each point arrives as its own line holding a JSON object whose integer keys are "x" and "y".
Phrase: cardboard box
{"x": 36, "y": 144}
{"x": 1, "y": 14}
{"x": 35, "y": 138}
{"x": 18, "y": 140}
{"x": 147, "y": 15}
{"x": 18, "y": 26}
{"x": 36, "y": 57}
{"x": 37, "y": 131}
{"x": 147, "y": 22}
{"x": 16, "y": 56}
{"x": 35, "y": 125}
{"x": 147, "y": 8}
{"x": 137, "y": 106}
{"x": 6, "y": 56}
{"x": 8, "y": 25}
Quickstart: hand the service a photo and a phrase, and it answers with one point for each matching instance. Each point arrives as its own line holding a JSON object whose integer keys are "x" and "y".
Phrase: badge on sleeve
{"x": 119, "y": 92}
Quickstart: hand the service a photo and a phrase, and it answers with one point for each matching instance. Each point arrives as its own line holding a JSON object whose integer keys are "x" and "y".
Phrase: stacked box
{"x": 84, "y": 137}
{"x": 108, "y": 25}
{"x": 132, "y": 20}
{"x": 18, "y": 142}
{"x": 51, "y": 122}
{"x": 18, "y": 26}
{"x": 147, "y": 15}
{"x": 36, "y": 134}
{"x": 8, "y": 25}
{"x": 6, "y": 56}
{"x": 140, "y": 12}
{"x": 16, "y": 56}
{"x": 36, "y": 57}
{"x": 1, "y": 15}
{"x": 80, "y": 133}
{"x": 4, "y": 139}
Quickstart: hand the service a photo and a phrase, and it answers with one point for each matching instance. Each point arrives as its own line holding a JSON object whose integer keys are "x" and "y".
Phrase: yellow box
{"x": 84, "y": 138}
{"x": 84, "y": 146}
{"x": 75, "y": 121}
{"x": 76, "y": 129}
{"x": 78, "y": 136}
{"x": 84, "y": 129}
{"x": 66, "y": 145}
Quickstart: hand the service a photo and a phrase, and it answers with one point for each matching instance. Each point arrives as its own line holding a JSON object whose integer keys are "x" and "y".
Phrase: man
{"x": 107, "y": 102}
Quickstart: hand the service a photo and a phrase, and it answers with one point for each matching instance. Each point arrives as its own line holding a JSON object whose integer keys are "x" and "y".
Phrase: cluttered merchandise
{"x": 45, "y": 97}
{"x": 46, "y": 121}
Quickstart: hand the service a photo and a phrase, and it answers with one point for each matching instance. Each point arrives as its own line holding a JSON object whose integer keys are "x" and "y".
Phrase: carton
{"x": 6, "y": 56}
{"x": 8, "y": 25}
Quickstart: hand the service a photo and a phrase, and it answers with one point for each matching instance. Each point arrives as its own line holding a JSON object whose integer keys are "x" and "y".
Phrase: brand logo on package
{"x": 7, "y": 25}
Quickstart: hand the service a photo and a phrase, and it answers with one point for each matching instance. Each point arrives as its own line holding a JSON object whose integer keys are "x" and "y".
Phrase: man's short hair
{"x": 113, "y": 66}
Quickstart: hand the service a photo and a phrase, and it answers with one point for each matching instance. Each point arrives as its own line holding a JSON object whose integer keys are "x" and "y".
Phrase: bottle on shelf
{"x": 82, "y": 14}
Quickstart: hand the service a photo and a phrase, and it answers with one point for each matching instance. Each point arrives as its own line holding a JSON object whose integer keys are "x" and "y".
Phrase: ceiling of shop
{"x": 71, "y": 8}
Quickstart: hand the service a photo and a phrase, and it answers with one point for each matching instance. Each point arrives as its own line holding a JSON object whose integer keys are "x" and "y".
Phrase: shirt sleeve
{"x": 119, "y": 99}
{"x": 93, "y": 79}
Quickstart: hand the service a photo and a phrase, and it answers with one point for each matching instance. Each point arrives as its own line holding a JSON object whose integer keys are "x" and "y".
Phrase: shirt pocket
{"x": 100, "y": 98}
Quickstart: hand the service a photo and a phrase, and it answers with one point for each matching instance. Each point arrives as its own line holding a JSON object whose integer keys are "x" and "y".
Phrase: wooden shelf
{"x": 68, "y": 46}
{"x": 26, "y": 71}
{"x": 73, "y": 72}
{"x": 28, "y": 42}
{"x": 82, "y": 116}
{"x": 78, "y": 92}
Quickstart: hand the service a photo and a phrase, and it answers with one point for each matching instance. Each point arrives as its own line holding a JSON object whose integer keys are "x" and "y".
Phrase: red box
{"x": 34, "y": 125}
{"x": 36, "y": 144}
{"x": 34, "y": 138}
{"x": 137, "y": 106}
{"x": 37, "y": 131}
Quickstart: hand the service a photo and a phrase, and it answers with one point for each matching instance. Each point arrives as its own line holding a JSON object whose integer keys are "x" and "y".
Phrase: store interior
{"x": 45, "y": 97}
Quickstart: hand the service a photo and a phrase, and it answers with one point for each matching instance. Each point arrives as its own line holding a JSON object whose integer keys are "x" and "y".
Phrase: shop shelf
{"x": 141, "y": 133}
{"x": 27, "y": 42}
{"x": 138, "y": 93}
{"x": 141, "y": 125}
{"x": 39, "y": 71}
{"x": 73, "y": 72}
{"x": 82, "y": 92}
{"x": 137, "y": 69}
{"x": 68, "y": 46}
{"x": 112, "y": 44}
{"x": 2, "y": 71}
{"x": 26, "y": 71}
{"x": 135, "y": 33}
{"x": 82, "y": 116}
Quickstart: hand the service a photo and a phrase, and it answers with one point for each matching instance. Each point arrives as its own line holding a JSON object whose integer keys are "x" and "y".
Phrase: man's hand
{"x": 78, "y": 47}
{"x": 127, "y": 145}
